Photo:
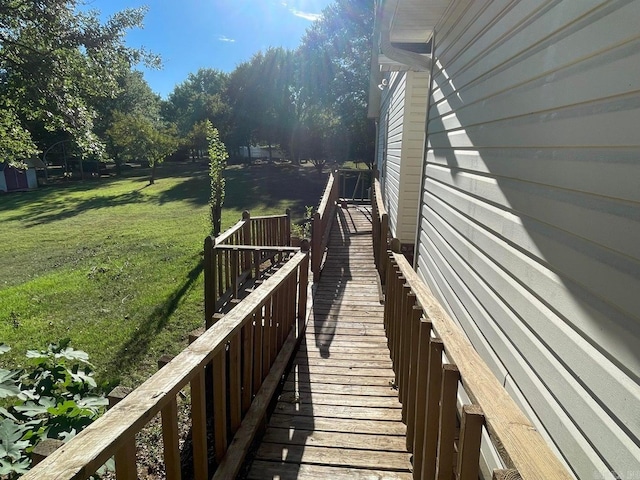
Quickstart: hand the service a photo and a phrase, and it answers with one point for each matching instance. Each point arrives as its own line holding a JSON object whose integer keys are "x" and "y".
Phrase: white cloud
{"x": 312, "y": 17}
{"x": 222, "y": 38}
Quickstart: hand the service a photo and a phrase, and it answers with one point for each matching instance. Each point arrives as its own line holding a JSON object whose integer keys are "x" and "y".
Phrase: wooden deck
{"x": 339, "y": 416}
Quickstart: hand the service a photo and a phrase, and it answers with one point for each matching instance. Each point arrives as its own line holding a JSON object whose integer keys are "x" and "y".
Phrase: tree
{"x": 139, "y": 138}
{"x": 217, "y": 162}
{"x": 259, "y": 94}
{"x": 333, "y": 75}
{"x": 200, "y": 97}
{"x": 133, "y": 97}
{"x": 54, "y": 58}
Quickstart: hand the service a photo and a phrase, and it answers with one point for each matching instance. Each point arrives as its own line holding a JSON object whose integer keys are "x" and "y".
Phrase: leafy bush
{"x": 56, "y": 397}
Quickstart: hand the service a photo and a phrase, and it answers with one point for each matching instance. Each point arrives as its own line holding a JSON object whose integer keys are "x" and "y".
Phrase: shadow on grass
{"x": 256, "y": 187}
{"x": 138, "y": 345}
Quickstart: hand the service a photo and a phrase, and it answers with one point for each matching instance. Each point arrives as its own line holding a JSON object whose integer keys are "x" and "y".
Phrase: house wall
{"x": 404, "y": 113}
{"x": 530, "y": 212}
{"x": 417, "y": 88}
{"x": 393, "y": 110}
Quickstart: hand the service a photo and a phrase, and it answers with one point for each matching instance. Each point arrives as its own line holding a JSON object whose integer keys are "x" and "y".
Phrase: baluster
{"x": 470, "y": 440}
{"x": 410, "y": 301}
{"x": 199, "y": 426}
{"x": 258, "y": 340}
{"x": 235, "y": 257}
{"x": 266, "y": 345}
{"x": 424, "y": 334}
{"x": 247, "y": 364}
{"x": 433, "y": 411}
{"x": 219, "y": 372}
{"x": 415, "y": 316}
{"x": 235, "y": 383}
{"x": 169, "y": 416}
{"x": 448, "y": 421}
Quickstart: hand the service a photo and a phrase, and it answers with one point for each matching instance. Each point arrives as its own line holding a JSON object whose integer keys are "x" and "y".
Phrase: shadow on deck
{"x": 338, "y": 415}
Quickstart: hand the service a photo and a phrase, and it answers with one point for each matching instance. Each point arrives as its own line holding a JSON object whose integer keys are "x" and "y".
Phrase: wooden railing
{"x": 420, "y": 333}
{"x": 380, "y": 226}
{"x": 321, "y": 224}
{"x": 236, "y": 255}
{"x": 355, "y": 185}
{"x": 248, "y": 350}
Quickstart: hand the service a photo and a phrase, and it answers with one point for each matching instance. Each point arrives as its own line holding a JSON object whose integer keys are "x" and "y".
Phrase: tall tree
{"x": 259, "y": 93}
{"x": 53, "y": 58}
{"x": 200, "y": 97}
{"x": 333, "y": 67}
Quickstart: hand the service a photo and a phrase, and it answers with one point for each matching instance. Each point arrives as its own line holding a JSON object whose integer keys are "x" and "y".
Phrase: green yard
{"x": 116, "y": 265}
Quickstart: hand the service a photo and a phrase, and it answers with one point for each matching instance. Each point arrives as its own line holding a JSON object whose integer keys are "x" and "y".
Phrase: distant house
{"x": 13, "y": 179}
{"x": 258, "y": 152}
{"x": 518, "y": 124}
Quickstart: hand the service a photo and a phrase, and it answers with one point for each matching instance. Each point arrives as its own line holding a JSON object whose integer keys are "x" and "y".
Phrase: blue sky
{"x": 220, "y": 34}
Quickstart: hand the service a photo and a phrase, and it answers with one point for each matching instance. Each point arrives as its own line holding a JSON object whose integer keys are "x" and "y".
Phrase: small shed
{"x": 15, "y": 179}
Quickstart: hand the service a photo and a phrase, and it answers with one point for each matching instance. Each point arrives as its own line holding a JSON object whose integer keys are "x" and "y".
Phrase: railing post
{"x": 384, "y": 228}
{"x": 209, "y": 280}
{"x": 287, "y": 228}
{"x": 302, "y": 288}
{"x": 316, "y": 243}
{"x": 125, "y": 457}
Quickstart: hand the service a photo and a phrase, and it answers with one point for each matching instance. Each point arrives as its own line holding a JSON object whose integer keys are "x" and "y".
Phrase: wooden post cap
{"x": 45, "y": 448}
{"x": 118, "y": 394}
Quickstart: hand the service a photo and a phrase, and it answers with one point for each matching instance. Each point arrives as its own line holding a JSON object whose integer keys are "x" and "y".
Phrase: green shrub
{"x": 56, "y": 397}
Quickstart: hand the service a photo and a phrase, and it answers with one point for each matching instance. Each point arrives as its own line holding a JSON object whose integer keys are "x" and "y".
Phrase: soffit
{"x": 414, "y": 20}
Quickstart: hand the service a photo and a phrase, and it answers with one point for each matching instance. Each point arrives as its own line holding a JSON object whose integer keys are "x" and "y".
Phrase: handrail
{"x": 253, "y": 331}
{"x": 321, "y": 224}
{"x": 428, "y": 389}
{"x": 380, "y": 226}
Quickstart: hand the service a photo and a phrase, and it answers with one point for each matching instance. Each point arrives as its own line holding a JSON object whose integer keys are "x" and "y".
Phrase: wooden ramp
{"x": 339, "y": 416}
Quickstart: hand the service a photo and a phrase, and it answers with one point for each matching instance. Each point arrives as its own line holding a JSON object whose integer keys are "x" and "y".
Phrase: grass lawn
{"x": 116, "y": 264}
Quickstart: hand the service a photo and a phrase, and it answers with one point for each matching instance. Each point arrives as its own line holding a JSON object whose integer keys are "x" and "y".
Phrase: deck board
{"x": 338, "y": 415}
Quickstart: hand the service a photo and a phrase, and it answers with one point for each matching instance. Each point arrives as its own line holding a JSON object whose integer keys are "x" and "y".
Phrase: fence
{"x": 247, "y": 349}
{"x": 237, "y": 254}
{"x": 420, "y": 334}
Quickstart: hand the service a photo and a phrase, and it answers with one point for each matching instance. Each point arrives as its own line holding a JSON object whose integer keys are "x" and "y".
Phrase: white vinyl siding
{"x": 530, "y": 212}
{"x": 404, "y": 106}
{"x": 394, "y": 106}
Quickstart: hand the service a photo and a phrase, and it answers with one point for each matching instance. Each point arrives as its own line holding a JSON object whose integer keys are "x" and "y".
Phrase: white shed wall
{"x": 530, "y": 212}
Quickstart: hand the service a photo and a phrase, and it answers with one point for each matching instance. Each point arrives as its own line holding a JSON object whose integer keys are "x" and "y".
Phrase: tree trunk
{"x": 152, "y": 178}
{"x": 216, "y": 218}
